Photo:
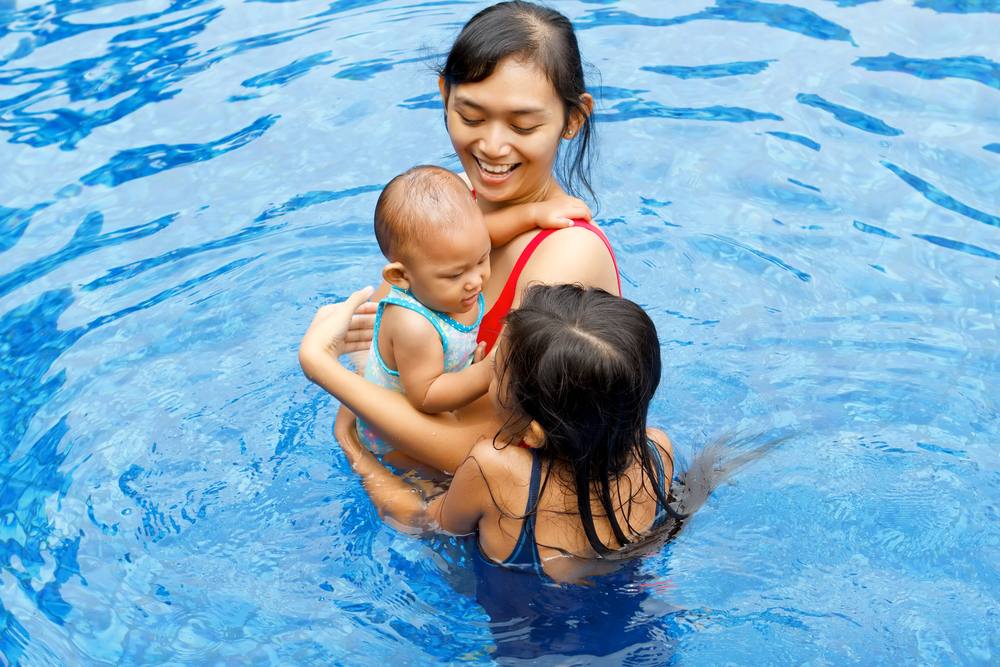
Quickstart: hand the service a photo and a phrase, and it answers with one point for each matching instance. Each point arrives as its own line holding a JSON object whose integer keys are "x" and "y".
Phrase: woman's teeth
{"x": 496, "y": 169}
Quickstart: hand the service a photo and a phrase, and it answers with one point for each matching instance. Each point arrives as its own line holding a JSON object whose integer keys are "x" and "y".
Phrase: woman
{"x": 514, "y": 97}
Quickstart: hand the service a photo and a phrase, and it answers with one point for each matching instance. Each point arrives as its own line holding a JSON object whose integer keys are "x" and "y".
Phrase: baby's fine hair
{"x": 416, "y": 203}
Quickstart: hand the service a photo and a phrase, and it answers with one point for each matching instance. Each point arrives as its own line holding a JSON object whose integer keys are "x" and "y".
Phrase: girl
{"x": 514, "y": 97}
{"x": 574, "y": 374}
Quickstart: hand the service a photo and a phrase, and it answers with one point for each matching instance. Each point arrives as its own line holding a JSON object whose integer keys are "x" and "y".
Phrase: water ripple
{"x": 128, "y": 271}
{"x": 290, "y": 72}
{"x": 967, "y": 248}
{"x": 797, "y": 138}
{"x": 14, "y": 222}
{"x": 136, "y": 163}
{"x": 942, "y": 199}
{"x": 872, "y": 229}
{"x": 724, "y": 246}
{"x": 739, "y": 68}
{"x": 299, "y": 202}
{"x": 849, "y": 116}
{"x": 86, "y": 240}
{"x": 367, "y": 69}
{"x": 974, "y": 68}
{"x": 783, "y": 17}
{"x": 149, "y": 70}
{"x": 960, "y": 6}
{"x": 632, "y": 109}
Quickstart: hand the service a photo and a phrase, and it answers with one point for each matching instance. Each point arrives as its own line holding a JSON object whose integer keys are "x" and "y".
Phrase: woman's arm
{"x": 441, "y": 441}
{"x": 556, "y": 213}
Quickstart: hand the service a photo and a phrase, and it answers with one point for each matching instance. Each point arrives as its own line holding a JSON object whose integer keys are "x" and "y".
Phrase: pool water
{"x": 805, "y": 197}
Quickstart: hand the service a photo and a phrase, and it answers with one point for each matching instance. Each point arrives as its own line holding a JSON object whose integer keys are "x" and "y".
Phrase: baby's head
{"x": 435, "y": 238}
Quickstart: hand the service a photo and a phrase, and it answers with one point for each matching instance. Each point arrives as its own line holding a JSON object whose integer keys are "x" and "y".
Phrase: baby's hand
{"x": 480, "y": 353}
{"x": 559, "y": 213}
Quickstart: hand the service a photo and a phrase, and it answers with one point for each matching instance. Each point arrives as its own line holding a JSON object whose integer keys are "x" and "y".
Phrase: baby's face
{"x": 448, "y": 271}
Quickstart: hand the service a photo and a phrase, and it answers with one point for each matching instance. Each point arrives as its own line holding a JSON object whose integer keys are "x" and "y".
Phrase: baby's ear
{"x": 395, "y": 274}
{"x": 534, "y": 437}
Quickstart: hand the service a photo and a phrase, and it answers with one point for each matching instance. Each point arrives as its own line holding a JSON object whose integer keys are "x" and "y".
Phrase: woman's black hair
{"x": 585, "y": 364}
{"x": 545, "y": 37}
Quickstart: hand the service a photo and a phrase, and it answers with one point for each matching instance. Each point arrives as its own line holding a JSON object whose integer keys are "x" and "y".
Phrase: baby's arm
{"x": 555, "y": 213}
{"x": 419, "y": 357}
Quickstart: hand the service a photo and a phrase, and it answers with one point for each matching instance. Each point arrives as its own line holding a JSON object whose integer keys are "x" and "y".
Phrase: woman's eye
{"x": 469, "y": 121}
{"x": 524, "y": 130}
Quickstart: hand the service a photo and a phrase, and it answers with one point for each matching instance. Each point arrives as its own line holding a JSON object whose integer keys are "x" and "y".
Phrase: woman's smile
{"x": 506, "y": 131}
{"x": 494, "y": 172}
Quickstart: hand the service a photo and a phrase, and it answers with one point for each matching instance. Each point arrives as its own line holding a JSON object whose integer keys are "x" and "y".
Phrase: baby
{"x": 432, "y": 232}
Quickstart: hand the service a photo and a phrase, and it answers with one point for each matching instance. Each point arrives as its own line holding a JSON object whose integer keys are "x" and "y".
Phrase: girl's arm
{"x": 456, "y": 511}
{"x": 555, "y": 213}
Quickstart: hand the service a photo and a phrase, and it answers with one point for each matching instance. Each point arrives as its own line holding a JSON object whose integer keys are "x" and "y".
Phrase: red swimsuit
{"x": 492, "y": 324}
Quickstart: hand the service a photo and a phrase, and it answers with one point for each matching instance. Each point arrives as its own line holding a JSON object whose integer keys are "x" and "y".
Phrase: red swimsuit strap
{"x": 492, "y": 323}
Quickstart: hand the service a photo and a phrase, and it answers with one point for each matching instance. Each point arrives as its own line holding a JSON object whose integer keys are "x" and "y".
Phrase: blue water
{"x": 805, "y": 197}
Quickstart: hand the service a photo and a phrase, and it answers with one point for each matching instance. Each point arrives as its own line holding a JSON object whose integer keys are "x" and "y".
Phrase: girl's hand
{"x": 328, "y": 332}
{"x": 559, "y": 213}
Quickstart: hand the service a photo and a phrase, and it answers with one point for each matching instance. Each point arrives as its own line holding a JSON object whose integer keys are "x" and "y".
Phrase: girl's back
{"x": 543, "y": 526}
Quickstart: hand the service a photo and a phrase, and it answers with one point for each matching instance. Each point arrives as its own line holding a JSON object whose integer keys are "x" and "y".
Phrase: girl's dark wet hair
{"x": 584, "y": 364}
{"x": 544, "y": 37}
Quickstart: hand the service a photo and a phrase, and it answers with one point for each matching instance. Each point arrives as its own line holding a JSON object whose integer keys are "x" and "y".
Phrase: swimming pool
{"x": 806, "y": 198}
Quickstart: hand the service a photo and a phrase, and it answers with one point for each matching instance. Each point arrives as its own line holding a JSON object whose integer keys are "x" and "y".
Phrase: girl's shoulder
{"x": 661, "y": 441}
{"x": 506, "y": 471}
{"x": 500, "y": 459}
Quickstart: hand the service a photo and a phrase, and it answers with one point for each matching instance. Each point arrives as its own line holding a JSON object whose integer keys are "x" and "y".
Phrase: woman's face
{"x": 506, "y": 131}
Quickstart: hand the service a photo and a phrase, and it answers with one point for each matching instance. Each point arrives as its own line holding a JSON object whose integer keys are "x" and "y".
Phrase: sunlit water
{"x": 806, "y": 198}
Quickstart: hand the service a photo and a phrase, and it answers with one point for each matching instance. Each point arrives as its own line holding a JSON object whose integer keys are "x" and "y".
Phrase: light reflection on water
{"x": 805, "y": 198}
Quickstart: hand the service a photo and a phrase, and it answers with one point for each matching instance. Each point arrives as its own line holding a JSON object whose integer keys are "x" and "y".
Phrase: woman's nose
{"x": 493, "y": 143}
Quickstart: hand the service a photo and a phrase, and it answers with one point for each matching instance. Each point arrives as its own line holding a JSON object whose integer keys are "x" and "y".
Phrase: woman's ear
{"x": 534, "y": 437}
{"x": 395, "y": 274}
{"x": 579, "y": 116}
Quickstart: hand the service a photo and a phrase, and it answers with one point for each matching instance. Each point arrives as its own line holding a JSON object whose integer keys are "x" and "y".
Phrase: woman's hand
{"x": 361, "y": 329}
{"x": 328, "y": 335}
{"x": 560, "y": 212}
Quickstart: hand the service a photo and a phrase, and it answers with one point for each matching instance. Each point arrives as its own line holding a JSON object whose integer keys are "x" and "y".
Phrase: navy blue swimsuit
{"x": 531, "y": 615}
{"x": 525, "y": 555}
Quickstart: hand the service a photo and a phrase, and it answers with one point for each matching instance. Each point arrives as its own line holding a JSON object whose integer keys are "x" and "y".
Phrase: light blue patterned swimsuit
{"x": 458, "y": 341}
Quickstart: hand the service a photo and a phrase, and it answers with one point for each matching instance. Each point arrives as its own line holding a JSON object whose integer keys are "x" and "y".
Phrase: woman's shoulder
{"x": 576, "y": 254}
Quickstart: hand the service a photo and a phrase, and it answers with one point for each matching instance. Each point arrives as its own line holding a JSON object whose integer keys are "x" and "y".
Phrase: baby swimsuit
{"x": 457, "y": 340}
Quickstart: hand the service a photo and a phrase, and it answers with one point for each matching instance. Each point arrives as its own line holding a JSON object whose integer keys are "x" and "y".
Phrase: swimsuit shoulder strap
{"x": 397, "y": 297}
{"x": 525, "y": 553}
{"x": 492, "y": 322}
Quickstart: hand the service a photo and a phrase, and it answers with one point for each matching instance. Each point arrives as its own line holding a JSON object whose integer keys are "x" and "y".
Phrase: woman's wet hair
{"x": 542, "y": 36}
{"x": 584, "y": 364}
